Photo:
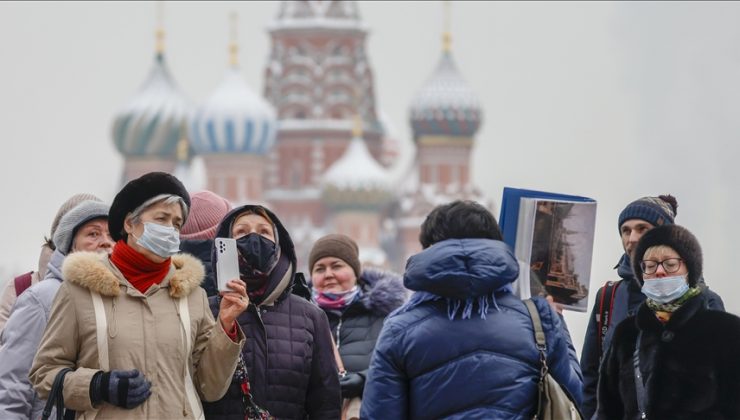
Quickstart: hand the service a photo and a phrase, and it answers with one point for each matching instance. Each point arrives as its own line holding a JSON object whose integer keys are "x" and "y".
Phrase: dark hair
{"x": 457, "y": 220}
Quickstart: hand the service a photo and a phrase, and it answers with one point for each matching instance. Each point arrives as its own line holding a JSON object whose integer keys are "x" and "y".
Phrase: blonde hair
{"x": 658, "y": 249}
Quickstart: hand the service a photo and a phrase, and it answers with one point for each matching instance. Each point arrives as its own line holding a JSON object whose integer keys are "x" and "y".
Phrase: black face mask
{"x": 257, "y": 258}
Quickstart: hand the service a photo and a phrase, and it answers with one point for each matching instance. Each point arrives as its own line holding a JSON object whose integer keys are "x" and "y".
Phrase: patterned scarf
{"x": 336, "y": 301}
{"x": 669, "y": 308}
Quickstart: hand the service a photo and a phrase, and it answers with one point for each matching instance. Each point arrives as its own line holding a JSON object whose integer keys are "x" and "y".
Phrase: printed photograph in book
{"x": 561, "y": 250}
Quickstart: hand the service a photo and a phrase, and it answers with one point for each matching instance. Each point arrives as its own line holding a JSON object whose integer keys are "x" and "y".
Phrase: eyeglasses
{"x": 671, "y": 265}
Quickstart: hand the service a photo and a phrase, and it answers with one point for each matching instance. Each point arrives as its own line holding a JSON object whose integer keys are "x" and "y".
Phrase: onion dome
{"x": 445, "y": 105}
{"x": 155, "y": 119}
{"x": 234, "y": 119}
{"x": 332, "y": 13}
{"x": 356, "y": 179}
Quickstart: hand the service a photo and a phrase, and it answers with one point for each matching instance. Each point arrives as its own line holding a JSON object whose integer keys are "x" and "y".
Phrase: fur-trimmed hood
{"x": 383, "y": 291}
{"x": 95, "y": 272}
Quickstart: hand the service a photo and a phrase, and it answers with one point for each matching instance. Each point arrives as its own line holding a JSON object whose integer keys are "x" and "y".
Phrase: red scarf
{"x": 139, "y": 270}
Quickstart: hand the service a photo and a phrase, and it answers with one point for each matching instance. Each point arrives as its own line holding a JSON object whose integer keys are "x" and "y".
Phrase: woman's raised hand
{"x": 233, "y": 303}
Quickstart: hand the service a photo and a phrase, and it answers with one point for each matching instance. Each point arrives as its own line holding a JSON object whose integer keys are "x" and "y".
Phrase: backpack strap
{"x": 22, "y": 282}
{"x": 604, "y": 317}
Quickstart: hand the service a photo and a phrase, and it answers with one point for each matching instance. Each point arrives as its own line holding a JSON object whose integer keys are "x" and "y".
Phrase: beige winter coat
{"x": 144, "y": 333}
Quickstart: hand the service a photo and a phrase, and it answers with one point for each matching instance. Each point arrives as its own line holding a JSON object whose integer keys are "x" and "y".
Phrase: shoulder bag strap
{"x": 101, "y": 329}
{"x": 56, "y": 396}
{"x": 193, "y": 400}
{"x": 539, "y": 334}
{"x": 639, "y": 383}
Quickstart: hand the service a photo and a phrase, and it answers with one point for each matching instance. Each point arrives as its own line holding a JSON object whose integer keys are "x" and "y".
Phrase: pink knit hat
{"x": 206, "y": 211}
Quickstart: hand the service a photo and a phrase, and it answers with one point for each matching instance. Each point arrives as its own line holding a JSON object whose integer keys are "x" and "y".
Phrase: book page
{"x": 560, "y": 248}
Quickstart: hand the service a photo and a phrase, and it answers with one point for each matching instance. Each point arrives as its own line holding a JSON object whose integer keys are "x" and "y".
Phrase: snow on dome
{"x": 356, "y": 170}
{"x": 234, "y": 119}
{"x": 445, "y": 105}
{"x": 317, "y": 14}
{"x": 153, "y": 121}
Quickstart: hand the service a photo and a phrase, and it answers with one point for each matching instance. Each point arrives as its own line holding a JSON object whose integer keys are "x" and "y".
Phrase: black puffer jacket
{"x": 288, "y": 352}
{"x": 357, "y": 328}
{"x": 690, "y": 365}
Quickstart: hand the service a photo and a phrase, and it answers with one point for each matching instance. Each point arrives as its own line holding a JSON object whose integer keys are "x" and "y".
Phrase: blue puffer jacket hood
{"x": 462, "y": 268}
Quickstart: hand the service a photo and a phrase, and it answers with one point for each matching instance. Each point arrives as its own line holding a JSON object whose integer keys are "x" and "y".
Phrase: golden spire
{"x": 447, "y": 34}
{"x": 159, "y": 33}
{"x": 357, "y": 120}
{"x": 183, "y": 148}
{"x": 357, "y": 126}
{"x": 233, "y": 46}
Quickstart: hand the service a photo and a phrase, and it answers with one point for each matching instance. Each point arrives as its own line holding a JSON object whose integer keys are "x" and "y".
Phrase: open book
{"x": 552, "y": 236}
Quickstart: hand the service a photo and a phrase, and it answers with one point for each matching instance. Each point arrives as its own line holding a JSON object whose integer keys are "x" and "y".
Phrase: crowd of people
{"x": 124, "y": 318}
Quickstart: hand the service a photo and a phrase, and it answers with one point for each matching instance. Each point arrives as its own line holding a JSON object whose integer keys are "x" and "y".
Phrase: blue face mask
{"x": 161, "y": 240}
{"x": 666, "y": 289}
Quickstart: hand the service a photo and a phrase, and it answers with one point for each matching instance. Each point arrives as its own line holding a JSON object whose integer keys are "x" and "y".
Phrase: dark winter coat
{"x": 627, "y": 300}
{"x": 463, "y": 346}
{"x": 201, "y": 249}
{"x": 356, "y": 330}
{"x": 288, "y": 352}
{"x": 690, "y": 365}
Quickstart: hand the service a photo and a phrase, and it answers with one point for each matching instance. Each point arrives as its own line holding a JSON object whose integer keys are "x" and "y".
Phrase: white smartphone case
{"x": 227, "y": 264}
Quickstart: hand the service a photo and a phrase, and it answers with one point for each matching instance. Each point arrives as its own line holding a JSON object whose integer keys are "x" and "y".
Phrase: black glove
{"x": 122, "y": 388}
{"x": 352, "y": 385}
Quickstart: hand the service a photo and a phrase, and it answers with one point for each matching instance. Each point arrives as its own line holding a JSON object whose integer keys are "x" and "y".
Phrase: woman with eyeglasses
{"x": 675, "y": 359}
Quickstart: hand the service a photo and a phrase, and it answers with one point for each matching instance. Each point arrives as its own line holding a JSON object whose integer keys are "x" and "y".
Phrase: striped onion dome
{"x": 445, "y": 105}
{"x": 234, "y": 119}
{"x": 356, "y": 178}
{"x": 154, "y": 120}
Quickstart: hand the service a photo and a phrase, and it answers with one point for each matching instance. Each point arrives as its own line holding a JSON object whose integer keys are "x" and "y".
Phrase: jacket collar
{"x": 54, "y": 267}
{"x": 95, "y": 272}
{"x": 383, "y": 291}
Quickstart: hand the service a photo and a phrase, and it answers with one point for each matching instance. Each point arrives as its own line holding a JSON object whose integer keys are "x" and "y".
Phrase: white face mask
{"x": 666, "y": 289}
{"x": 161, "y": 240}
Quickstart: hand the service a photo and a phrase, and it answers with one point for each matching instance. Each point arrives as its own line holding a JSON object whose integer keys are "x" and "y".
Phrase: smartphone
{"x": 227, "y": 264}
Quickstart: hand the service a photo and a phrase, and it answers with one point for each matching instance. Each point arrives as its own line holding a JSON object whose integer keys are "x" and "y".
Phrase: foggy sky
{"x": 609, "y": 100}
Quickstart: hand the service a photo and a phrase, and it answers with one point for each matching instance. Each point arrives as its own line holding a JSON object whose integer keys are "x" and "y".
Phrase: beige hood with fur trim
{"x": 144, "y": 332}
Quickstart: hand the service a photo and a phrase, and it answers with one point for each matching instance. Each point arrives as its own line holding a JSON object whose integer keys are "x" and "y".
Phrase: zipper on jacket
{"x": 258, "y": 311}
{"x": 339, "y": 338}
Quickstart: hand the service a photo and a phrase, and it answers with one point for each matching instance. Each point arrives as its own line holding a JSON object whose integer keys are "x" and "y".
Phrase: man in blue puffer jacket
{"x": 463, "y": 345}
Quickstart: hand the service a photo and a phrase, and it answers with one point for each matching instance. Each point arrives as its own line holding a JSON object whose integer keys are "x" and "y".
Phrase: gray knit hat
{"x": 67, "y": 206}
{"x": 338, "y": 246}
{"x": 74, "y": 219}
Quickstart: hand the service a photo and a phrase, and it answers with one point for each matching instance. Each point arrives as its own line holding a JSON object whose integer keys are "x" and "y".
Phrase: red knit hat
{"x": 206, "y": 211}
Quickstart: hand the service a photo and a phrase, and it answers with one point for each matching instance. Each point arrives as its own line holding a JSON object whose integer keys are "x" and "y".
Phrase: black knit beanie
{"x": 138, "y": 191}
{"x": 680, "y": 240}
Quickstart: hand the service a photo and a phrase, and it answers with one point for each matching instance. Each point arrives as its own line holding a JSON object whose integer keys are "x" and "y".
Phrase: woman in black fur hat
{"x": 134, "y": 326}
{"x": 687, "y": 354}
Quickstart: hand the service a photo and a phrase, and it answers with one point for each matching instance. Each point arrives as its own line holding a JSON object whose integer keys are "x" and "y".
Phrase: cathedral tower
{"x": 316, "y": 69}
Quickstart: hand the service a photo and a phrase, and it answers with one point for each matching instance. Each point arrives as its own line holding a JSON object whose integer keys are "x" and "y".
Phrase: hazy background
{"x": 609, "y": 100}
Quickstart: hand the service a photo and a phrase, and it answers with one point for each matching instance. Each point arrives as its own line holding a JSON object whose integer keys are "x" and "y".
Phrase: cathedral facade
{"x": 313, "y": 148}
